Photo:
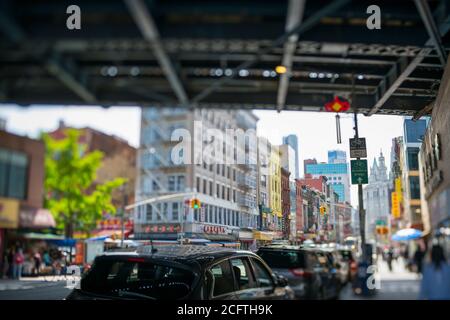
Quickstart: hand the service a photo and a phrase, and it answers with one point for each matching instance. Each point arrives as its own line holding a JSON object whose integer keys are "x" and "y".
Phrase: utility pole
{"x": 362, "y": 215}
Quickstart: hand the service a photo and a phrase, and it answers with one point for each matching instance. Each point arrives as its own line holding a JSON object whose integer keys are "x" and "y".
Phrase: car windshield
{"x": 135, "y": 278}
{"x": 283, "y": 259}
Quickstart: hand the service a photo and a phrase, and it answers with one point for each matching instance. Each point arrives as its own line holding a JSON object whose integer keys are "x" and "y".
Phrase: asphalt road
{"x": 56, "y": 291}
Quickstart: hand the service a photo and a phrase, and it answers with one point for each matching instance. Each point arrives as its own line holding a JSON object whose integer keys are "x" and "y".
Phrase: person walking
{"x": 37, "y": 263}
{"x": 418, "y": 259}
{"x": 19, "y": 259}
{"x": 389, "y": 258}
{"x": 436, "y": 277}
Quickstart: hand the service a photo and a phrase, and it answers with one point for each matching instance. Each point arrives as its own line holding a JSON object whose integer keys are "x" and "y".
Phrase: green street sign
{"x": 359, "y": 171}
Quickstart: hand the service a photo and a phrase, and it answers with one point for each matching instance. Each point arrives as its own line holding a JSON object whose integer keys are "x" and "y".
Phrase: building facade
{"x": 337, "y": 176}
{"x": 292, "y": 141}
{"x": 186, "y": 155}
{"x": 337, "y": 156}
{"x": 285, "y": 204}
{"x": 376, "y": 196}
{"x": 275, "y": 187}
{"x": 414, "y": 132}
{"x": 21, "y": 191}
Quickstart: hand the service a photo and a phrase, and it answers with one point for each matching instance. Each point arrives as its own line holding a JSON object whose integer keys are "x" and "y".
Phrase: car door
{"x": 220, "y": 280}
{"x": 266, "y": 288}
{"x": 245, "y": 284}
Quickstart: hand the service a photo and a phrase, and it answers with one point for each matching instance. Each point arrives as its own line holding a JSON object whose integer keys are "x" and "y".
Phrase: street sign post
{"x": 358, "y": 148}
{"x": 359, "y": 171}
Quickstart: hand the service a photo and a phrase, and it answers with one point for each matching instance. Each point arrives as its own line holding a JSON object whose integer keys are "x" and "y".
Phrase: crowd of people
{"x": 32, "y": 262}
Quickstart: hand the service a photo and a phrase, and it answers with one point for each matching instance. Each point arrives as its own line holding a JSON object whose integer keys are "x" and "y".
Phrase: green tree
{"x": 72, "y": 195}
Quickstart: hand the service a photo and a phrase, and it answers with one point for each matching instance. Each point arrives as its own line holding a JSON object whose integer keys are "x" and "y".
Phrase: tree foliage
{"x": 72, "y": 195}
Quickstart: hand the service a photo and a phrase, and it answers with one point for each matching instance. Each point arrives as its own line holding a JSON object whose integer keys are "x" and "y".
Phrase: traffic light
{"x": 382, "y": 230}
{"x": 195, "y": 203}
{"x": 323, "y": 210}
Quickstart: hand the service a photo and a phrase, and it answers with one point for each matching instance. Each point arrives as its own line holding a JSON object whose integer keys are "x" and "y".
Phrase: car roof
{"x": 281, "y": 247}
{"x": 180, "y": 253}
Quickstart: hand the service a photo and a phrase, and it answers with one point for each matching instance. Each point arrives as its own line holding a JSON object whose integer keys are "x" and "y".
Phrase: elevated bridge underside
{"x": 223, "y": 54}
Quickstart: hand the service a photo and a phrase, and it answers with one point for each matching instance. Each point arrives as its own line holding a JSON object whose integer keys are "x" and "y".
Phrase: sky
{"x": 316, "y": 131}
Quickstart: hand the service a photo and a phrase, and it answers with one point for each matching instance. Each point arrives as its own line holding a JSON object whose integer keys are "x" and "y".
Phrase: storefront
{"x": 263, "y": 237}
{"x": 9, "y": 221}
{"x": 246, "y": 239}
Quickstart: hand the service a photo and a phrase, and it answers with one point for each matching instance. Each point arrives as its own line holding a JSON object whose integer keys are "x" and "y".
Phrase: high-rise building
{"x": 288, "y": 160}
{"x": 376, "y": 195}
{"x": 337, "y": 176}
{"x": 305, "y": 163}
{"x": 182, "y": 156}
{"x": 337, "y": 156}
{"x": 292, "y": 140}
{"x": 413, "y": 136}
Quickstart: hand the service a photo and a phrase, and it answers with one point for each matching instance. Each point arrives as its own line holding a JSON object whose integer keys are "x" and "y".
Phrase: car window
{"x": 242, "y": 273}
{"x": 283, "y": 259}
{"x": 114, "y": 277}
{"x": 312, "y": 261}
{"x": 262, "y": 275}
{"x": 223, "y": 281}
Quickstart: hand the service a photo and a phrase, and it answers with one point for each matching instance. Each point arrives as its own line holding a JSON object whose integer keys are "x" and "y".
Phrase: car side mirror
{"x": 281, "y": 281}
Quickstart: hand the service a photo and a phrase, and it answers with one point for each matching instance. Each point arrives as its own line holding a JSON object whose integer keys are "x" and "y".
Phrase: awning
{"x": 105, "y": 234}
{"x": 264, "y": 236}
{"x": 41, "y": 236}
{"x": 36, "y": 218}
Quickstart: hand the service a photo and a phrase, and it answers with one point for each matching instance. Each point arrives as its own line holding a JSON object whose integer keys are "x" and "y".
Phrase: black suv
{"x": 181, "y": 272}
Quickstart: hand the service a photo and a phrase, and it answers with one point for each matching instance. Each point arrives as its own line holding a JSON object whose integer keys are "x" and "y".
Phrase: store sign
{"x": 398, "y": 189}
{"x": 9, "y": 213}
{"x": 395, "y": 210}
{"x": 162, "y": 228}
{"x": 358, "y": 148}
{"x": 215, "y": 229}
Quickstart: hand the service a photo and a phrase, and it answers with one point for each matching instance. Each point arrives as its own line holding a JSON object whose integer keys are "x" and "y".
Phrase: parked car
{"x": 181, "y": 272}
{"x": 299, "y": 266}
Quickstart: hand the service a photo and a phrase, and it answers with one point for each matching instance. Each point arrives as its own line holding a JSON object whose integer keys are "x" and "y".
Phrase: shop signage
{"x": 395, "y": 210}
{"x": 9, "y": 213}
{"x": 358, "y": 148}
{"x": 215, "y": 229}
{"x": 398, "y": 189}
{"x": 162, "y": 228}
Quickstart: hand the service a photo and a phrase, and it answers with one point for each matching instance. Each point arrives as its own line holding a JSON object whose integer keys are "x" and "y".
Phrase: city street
{"x": 33, "y": 289}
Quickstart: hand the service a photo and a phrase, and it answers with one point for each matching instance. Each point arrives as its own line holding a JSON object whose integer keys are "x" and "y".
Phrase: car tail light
{"x": 301, "y": 273}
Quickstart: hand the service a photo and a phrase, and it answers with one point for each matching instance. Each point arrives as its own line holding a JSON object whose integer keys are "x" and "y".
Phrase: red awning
{"x": 36, "y": 218}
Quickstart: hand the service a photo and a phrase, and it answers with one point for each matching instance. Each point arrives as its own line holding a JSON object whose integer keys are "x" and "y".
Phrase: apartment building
{"x": 185, "y": 155}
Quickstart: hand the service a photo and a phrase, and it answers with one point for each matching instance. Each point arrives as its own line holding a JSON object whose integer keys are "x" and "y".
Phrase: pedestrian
{"x": 11, "y": 254}
{"x": 390, "y": 257}
{"x": 436, "y": 277}
{"x": 19, "y": 259}
{"x": 418, "y": 259}
{"x": 37, "y": 262}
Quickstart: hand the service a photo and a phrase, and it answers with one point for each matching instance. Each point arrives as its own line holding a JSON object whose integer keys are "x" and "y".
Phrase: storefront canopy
{"x": 41, "y": 236}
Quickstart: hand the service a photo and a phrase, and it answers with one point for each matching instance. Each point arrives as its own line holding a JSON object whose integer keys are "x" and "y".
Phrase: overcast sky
{"x": 316, "y": 131}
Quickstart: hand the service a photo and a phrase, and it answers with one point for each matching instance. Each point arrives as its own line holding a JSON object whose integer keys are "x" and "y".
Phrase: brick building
{"x": 285, "y": 203}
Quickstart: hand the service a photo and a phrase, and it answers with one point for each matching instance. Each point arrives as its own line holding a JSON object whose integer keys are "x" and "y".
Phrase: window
{"x": 228, "y": 194}
{"x": 175, "y": 211}
{"x": 149, "y": 212}
{"x": 262, "y": 276}
{"x": 210, "y": 214}
{"x": 13, "y": 174}
{"x": 196, "y": 217}
{"x": 233, "y": 218}
{"x": 222, "y": 278}
{"x": 217, "y": 168}
{"x": 228, "y": 172}
{"x": 158, "y": 212}
{"x": 198, "y": 184}
{"x": 218, "y": 190}
{"x": 242, "y": 274}
{"x": 205, "y": 186}
{"x": 216, "y": 211}
{"x": 223, "y": 170}
{"x": 234, "y": 195}
{"x": 225, "y": 216}
{"x": 220, "y": 215}
{"x": 234, "y": 174}
{"x": 210, "y": 188}
{"x": 171, "y": 183}
{"x": 223, "y": 192}
{"x": 180, "y": 186}
{"x": 414, "y": 186}
{"x": 413, "y": 158}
